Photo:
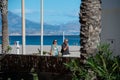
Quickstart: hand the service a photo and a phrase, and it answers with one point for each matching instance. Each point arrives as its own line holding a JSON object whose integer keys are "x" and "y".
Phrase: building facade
{"x": 111, "y": 24}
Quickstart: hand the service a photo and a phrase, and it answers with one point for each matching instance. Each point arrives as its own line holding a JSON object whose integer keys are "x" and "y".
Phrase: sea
{"x": 47, "y": 39}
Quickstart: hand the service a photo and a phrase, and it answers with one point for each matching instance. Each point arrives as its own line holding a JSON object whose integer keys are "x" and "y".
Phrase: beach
{"x": 34, "y": 49}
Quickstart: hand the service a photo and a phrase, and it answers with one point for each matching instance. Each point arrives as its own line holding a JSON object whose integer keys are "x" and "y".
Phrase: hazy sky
{"x": 55, "y": 11}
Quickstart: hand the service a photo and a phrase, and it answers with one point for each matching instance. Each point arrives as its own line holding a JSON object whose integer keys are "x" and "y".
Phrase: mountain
{"x": 14, "y": 23}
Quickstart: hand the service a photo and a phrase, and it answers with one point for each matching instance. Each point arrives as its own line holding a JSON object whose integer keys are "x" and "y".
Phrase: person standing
{"x": 54, "y": 48}
{"x": 65, "y": 48}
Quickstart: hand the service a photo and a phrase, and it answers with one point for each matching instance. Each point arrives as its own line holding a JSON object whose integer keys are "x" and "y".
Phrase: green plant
{"x": 116, "y": 66}
{"x": 44, "y": 52}
{"x": 102, "y": 66}
{"x": 9, "y": 48}
{"x": 34, "y": 74}
{"x": 78, "y": 71}
{"x": 102, "y": 63}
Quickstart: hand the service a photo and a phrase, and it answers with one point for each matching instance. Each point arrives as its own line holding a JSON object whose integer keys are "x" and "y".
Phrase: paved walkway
{"x": 34, "y": 49}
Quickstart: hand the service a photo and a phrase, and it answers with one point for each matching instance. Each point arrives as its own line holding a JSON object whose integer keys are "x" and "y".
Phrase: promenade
{"x": 34, "y": 49}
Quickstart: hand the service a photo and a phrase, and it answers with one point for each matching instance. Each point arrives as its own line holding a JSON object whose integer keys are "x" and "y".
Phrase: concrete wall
{"x": 111, "y": 24}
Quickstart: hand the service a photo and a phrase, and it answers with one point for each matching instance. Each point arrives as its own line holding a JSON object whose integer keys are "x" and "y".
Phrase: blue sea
{"x": 35, "y": 40}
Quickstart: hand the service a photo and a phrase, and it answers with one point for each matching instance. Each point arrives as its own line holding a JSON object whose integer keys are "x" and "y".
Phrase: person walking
{"x": 54, "y": 48}
{"x": 65, "y": 48}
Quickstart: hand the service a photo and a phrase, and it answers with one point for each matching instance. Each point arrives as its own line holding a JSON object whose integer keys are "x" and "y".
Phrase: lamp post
{"x": 23, "y": 27}
{"x": 41, "y": 27}
{"x": 63, "y": 36}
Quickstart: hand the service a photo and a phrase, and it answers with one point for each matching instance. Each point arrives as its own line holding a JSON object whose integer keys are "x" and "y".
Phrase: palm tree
{"x": 90, "y": 19}
{"x": 4, "y": 12}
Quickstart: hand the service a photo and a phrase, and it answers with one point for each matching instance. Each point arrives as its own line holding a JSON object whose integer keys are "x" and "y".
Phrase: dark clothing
{"x": 64, "y": 52}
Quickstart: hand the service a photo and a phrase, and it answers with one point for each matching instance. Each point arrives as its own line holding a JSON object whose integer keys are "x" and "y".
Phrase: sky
{"x": 55, "y": 11}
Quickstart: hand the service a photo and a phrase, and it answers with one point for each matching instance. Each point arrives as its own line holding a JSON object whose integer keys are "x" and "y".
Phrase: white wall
{"x": 111, "y": 24}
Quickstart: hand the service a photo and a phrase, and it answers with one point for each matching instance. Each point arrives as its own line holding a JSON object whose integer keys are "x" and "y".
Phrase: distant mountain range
{"x": 33, "y": 28}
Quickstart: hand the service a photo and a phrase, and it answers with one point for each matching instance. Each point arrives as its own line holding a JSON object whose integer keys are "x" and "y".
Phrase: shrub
{"x": 102, "y": 66}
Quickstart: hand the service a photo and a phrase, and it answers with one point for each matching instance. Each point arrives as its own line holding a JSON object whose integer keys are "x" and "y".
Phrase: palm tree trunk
{"x": 90, "y": 19}
{"x": 4, "y": 15}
